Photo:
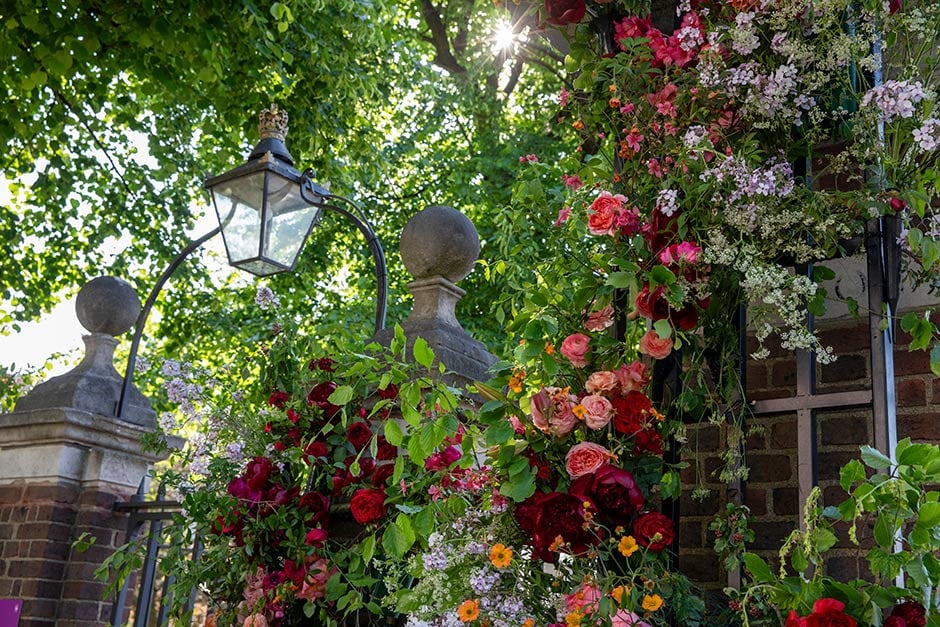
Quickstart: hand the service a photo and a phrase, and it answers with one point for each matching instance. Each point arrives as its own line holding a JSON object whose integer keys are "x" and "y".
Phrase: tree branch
{"x": 444, "y": 57}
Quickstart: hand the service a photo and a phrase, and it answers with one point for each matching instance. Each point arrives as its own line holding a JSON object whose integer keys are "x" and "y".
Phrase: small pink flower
{"x": 572, "y": 181}
{"x": 627, "y": 109}
{"x": 584, "y": 599}
{"x": 653, "y": 167}
{"x": 575, "y": 347}
{"x": 528, "y": 159}
{"x": 598, "y": 411}
{"x": 563, "y": 98}
{"x": 688, "y": 251}
{"x": 256, "y": 620}
{"x": 654, "y": 346}
{"x": 626, "y": 618}
{"x": 585, "y": 458}
{"x": 600, "y": 319}
{"x": 634, "y": 139}
{"x": 563, "y": 214}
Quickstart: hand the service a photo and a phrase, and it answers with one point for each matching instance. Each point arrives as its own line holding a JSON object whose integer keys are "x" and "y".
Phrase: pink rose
{"x": 626, "y": 618}
{"x": 585, "y": 458}
{"x": 598, "y": 411}
{"x": 632, "y": 377}
{"x": 603, "y": 213}
{"x": 552, "y": 411}
{"x": 256, "y": 620}
{"x": 600, "y": 319}
{"x": 575, "y": 347}
{"x": 601, "y": 381}
{"x": 654, "y": 346}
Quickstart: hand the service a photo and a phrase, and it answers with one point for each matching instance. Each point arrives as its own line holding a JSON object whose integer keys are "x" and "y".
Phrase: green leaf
{"x": 884, "y": 530}
{"x": 798, "y": 560}
{"x": 399, "y": 537}
{"x": 758, "y": 568}
{"x": 520, "y": 486}
{"x": 929, "y": 515}
{"x": 424, "y": 522}
{"x": 620, "y": 280}
{"x": 423, "y": 353}
{"x": 874, "y": 458}
{"x": 917, "y": 454}
{"x": 367, "y": 549}
{"x": 825, "y": 540}
{"x": 663, "y": 328}
{"x": 822, "y": 273}
{"x": 393, "y": 432}
{"x": 341, "y": 395}
{"x": 851, "y": 473}
{"x": 499, "y": 433}
{"x": 661, "y": 275}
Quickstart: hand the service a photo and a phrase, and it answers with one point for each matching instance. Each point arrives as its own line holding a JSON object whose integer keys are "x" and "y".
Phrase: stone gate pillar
{"x": 64, "y": 461}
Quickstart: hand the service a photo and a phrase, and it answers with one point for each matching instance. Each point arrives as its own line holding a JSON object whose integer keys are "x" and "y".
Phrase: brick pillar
{"x": 64, "y": 461}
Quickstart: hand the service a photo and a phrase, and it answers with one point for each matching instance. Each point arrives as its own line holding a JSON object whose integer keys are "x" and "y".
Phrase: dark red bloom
{"x": 894, "y": 6}
{"x": 325, "y": 364}
{"x": 315, "y": 537}
{"x": 314, "y": 450}
{"x": 652, "y": 304}
{"x": 546, "y": 517}
{"x": 894, "y": 621}
{"x": 294, "y": 572}
{"x": 828, "y": 613}
{"x": 318, "y": 396}
{"x": 293, "y": 416}
{"x": 648, "y": 441}
{"x": 543, "y": 468}
{"x": 279, "y": 446}
{"x": 382, "y": 473}
{"x": 367, "y": 505}
{"x": 358, "y": 434}
{"x": 442, "y": 460}
{"x": 613, "y": 490}
{"x": 386, "y": 451}
{"x": 564, "y": 12}
{"x": 653, "y": 530}
{"x": 911, "y": 612}
{"x": 314, "y": 503}
{"x": 278, "y": 398}
{"x": 630, "y": 412}
{"x": 258, "y": 471}
{"x": 389, "y": 392}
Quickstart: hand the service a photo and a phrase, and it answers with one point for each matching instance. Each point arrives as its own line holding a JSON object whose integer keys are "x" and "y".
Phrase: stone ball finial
{"x": 107, "y": 304}
{"x": 440, "y": 241}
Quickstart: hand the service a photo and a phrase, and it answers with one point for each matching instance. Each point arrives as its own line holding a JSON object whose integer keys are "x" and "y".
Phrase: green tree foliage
{"x": 114, "y": 113}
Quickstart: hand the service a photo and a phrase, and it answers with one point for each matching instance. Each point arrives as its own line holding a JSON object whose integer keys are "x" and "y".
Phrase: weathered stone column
{"x": 64, "y": 461}
{"x": 439, "y": 247}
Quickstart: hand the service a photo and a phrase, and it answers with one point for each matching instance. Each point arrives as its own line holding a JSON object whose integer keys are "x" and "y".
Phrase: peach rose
{"x": 600, "y": 319}
{"x": 603, "y": 213}
{"x": 552, "y": 411}
{"x": 654, "y": 346}
{"x": 601, "y": 381}
{"x": 575, "y": 347}
{"x": 585, "y": 458}
{"x": 598, "y": 411}
{"x": 632, "y": 377}
{"x": 256, "y": 620}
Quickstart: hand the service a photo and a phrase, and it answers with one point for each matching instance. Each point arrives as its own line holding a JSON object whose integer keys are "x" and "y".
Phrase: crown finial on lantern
{"x": 272, "y": 123}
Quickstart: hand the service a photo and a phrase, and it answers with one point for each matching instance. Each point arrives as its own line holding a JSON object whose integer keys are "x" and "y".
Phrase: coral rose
{"x": 575, "y": 347}
{"x": 598, "y": 411}
{"x": 603, "y": 212}
{"x": 552, "y": 411}
{"x": 602, "y": 381}
{"x": 632, "y": 377}
{"x": 585, "y": 458}
{"x": 600, "y": 319}
{"x": 655, "y": 346}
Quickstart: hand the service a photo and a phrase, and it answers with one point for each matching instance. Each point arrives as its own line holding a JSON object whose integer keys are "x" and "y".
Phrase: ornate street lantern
{"x": 264, "y": 213}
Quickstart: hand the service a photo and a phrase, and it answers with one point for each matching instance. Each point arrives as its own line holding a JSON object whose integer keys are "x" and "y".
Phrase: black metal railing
{"x": 147, "y": 523}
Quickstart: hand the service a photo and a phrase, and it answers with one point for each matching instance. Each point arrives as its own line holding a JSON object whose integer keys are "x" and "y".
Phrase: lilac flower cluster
{"x": 775, "y": 180}
{"x": 483, "y": 579}
{"x": 266, "y": 299}
{"x": 895, "y": 98}
{"x": 928, "y": 135}
{"x": 667, "y": 202}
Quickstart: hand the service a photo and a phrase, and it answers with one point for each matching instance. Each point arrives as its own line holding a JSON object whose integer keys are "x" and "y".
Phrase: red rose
{"x": 293, "y": 416}
{"x": 828, "y": 613}
{"x": 546, "y": 517}
{"x": 652, "y": 304}
{"x": 563, "y": 12}
{"x": 911, "y": 612}
{"x": 358, "y": 434}
{"x": 315, "y": 537}
{"x": 894, "y": 621}
{"x": 648, "y": 441}
{"x": 314, "y": 450}
{"x": 386, "y": 451}
{"x": 318, "y": 396}
{"x": 258, "y": 471}
{"x": 653, "y": 530}
{"x": 613, "y": 490}
{"x": 382, "y": 473}
{"x": 367, "y": 505}
{"x": 366, "y": 464}
{"x": 630, "y": 412}
{"x": 794, "y": 620}
{"x": 278, "y": 398}
{"x": 389, "y": 392}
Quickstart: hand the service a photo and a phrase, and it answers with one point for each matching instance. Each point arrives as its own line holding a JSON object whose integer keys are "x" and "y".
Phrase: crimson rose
{"x": 613, "y": 490}
{"x": 548, "y": 517}
{"x": 358, "y": 434}
{"x": 630, "y": 411}
{"x": 367, "y": 505}
{"x": 653, "y": 530}
{"x": 318, "y": 396}
{"x": 911, "y": 613}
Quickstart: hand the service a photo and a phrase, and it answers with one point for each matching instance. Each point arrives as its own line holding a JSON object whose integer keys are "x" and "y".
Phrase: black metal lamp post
{"x": 266, "y": 210}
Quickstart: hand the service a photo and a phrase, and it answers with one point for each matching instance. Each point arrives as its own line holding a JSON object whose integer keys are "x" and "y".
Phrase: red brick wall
{"x": 38, "y": 523}
{"x": 771, "y": 491}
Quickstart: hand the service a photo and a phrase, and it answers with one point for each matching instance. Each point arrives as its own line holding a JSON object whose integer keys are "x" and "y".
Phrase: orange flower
{"x": 620, "y": 594}
{"x": 500, "y": 555}
{"x": 469, "y": 610}
{"x": 614, "y": 103}
{"x": 573, "y": 618}
{"x": 627, "y": 546}
{"x": 557, "y": 544}
{"x": 577, "y": 125}
{"x": 579, "y": 411}
{"x": 549, "y": 349}
{"x": 528, "y": 623}
{"x": 515, "y": 381}
{"x": 652, "y": 602}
